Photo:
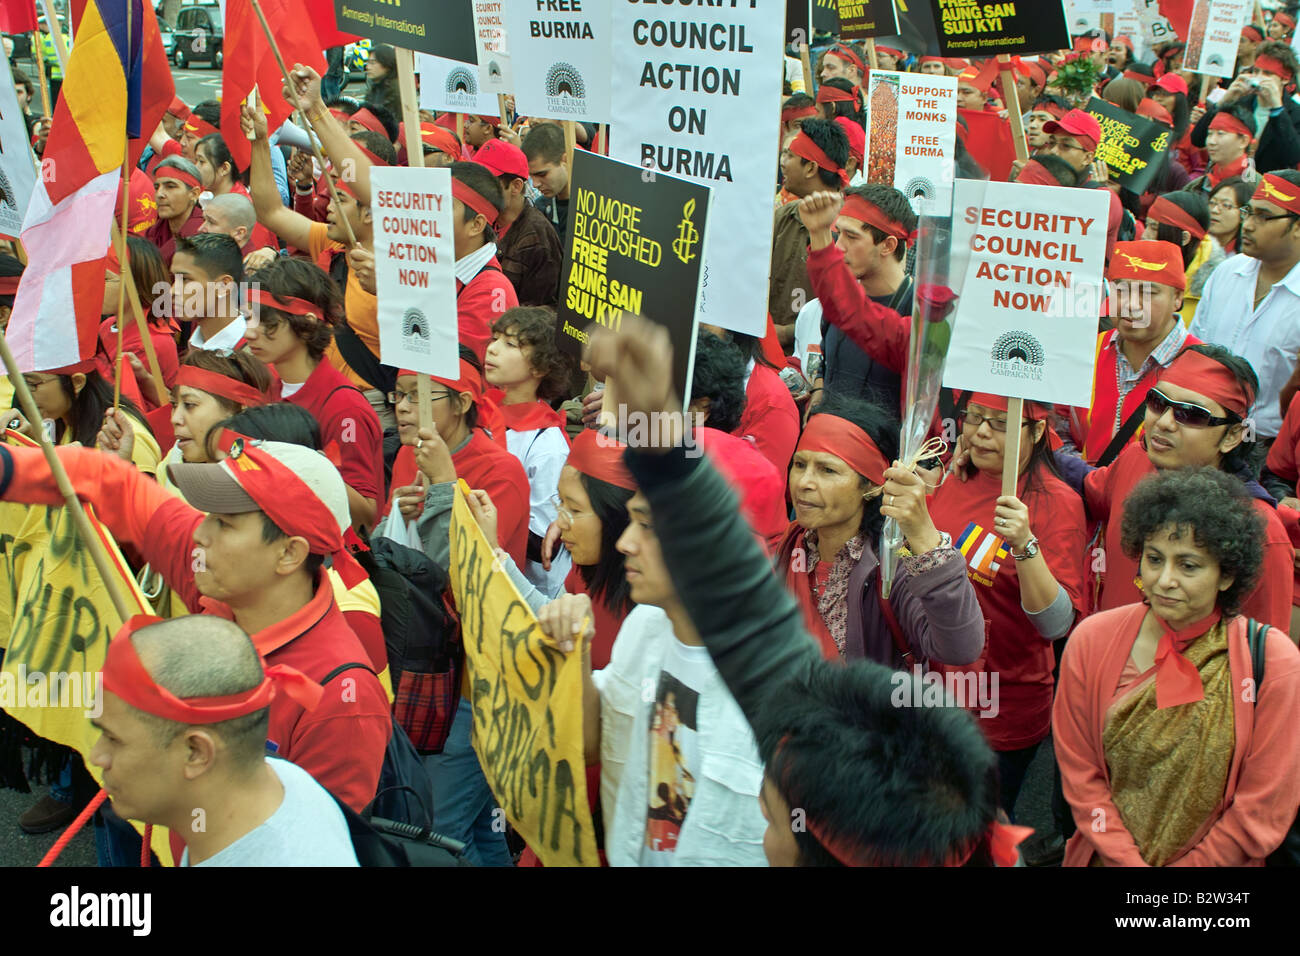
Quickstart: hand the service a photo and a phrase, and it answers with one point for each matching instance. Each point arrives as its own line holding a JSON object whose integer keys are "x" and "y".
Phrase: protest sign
{"x": 1132, "y": 147}
{"x": 1028, "y": 277}
{"x": 17, "y": 168}
{"x": 634, "y": 249}
{"x": 970, "y": 28}
{"x": 526, "y": 698}
{"x": 911, "y": 134}
{"x": 415, "y": 269}
{"x": 1152, "y": 26}
{"x": 491, "y": 46}
{"x": 452, "y": 86}
{"x": 860, "y": 19}
{"x": 445, "y": 28}
{"x": 1214, "y": 34}
{"x": 695, "y": 93}
{"x": 561, "y": 62}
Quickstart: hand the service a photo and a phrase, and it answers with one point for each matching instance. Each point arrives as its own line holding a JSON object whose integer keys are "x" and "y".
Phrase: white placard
{"x": 1214, "y": 35}
{"x": 1155, "y": 29}
{"x": 415, "y": 269}
{"x": 449, "y": 86}
{"x": 1029, "y": 260}
{"x": 17, "y": 167}
{"x": 922, "y": 131}
{"x": 707, "y": 110}
{"x": 1128, "y": 25}
{"x": 494, "y": 74}
{"x": 561, "y": 60}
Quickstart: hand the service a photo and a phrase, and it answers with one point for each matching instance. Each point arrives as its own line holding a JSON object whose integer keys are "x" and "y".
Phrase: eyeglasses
{"x": 564, "y": 512}
{"x": 396, "y": 397}
{"x": 1061, "y": 144}
{"x": 1193, "y": 416}
{"x": 1223, "y": 205}
{"x": 1253, "y": 213}
{"x": 975, "y": 421}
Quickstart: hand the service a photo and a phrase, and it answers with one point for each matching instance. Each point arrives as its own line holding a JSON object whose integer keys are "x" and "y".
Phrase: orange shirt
{"x": 361, "y": 307}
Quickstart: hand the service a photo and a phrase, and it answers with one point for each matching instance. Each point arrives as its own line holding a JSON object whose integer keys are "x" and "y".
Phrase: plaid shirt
{"x": 1127, "y": 378}
{"x": 530, "y": 256}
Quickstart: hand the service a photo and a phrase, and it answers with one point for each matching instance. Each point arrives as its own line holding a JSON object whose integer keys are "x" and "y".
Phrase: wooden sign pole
{"x": 1011, "y": 458}
{"x": 872, "y": 60}
{"x": 1012, "y": 96}
{"x": 807, "y": 69}
{"x": 47, "y": 107}
{"x": 570, "y": 143}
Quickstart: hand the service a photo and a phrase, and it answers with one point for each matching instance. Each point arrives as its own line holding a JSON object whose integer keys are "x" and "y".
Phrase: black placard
{"x": 860, "y": 19}
{"x": 1132, "y": 147}
{"x": 634, "y": 248}
{"x": 440, "y": 27}
{"x": 973, "y": 28}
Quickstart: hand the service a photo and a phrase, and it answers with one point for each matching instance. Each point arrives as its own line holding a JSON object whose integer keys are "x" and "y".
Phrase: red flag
{"x": 323, "y": 18}
{"x": 298, "y": 43}
{"x": 17, "y": 16}
{"x": 156, "y": 86}
{"x": 989, "y": 142}
{"x": 1179, "y": 15}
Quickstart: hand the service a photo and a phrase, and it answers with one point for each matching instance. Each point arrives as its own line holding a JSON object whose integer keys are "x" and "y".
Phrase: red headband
{"x": 1252, "y": 32}
{"x": 475, "y": 200}
{"x": 846, "y": 53}
{"x": 370, "y": 121}
{"x": 855, "y": 207}
{"x": 440, "y": 139}
{"x": 1199, "y": 373}
{"x": 374, "y": 160}
{"x": 803, "y": 147}
{"x": 1227, "y": 122}
{"x": 798, "y": 112}
{"x": 998, "y": 403}
{"x": 1154, "y": 111}
{"x": 471, "y": 380}
{"x": 214, "y": 383}
{"x": 896, "y": 54}
{"x": 1285, "y": 19}
{"x": 1055, "y": 109}
{"x": 1279, "y": 192}
{"x": 846, "y": 441}
{"x": 126, "y": 676}
{"x": 196, "y": 125}
{"x": 833, "y": 94}
{"x": 1275, "y": 66}
{"x": 600, "y": 457}
{"x": 285, "y": 303}
{"x": 1167, "y": 212}
{"x": 934, "y": 59}
{"x": 176, "y": 173}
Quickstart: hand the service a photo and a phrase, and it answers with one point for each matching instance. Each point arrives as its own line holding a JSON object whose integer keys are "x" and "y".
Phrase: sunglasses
{"x": 1184, "y": 414}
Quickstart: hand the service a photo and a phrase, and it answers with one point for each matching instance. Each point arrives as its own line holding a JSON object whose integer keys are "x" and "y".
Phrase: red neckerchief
{"x": 1177, "y": 679}
{"x": 1218, "y": 174}
{"x": 530, "y": 416}
{"x": 271, "y": 639}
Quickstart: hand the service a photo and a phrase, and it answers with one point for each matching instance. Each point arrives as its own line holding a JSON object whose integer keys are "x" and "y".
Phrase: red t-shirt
{"x": 161, "y": 235}
{"x": 346, "y": 421}
{"x": 1014, "y": 650}
{"x": 480, "y": 302}
{"x": 1105, "y": 490}
{"x": 164, "y": 346}
{"x": 770, "y": 417}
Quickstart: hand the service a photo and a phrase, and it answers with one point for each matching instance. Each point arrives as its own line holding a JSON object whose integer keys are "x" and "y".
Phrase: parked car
{"x": 198, "y": 35}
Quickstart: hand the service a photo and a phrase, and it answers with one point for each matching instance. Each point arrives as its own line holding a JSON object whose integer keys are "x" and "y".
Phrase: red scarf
{"x": 1177, "y": 679}
{"x": 1218, "y": 173}
{"x": 529, "y": 416}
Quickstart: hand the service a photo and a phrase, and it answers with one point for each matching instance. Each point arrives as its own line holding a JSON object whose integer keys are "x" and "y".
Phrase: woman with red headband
{"x": 843, "y": 489}
{"x": 1024, "y": 553}
{"x": 1164, "y": 760}
{"x": 152, "y": 283}
{"x": 1183, "y": 218}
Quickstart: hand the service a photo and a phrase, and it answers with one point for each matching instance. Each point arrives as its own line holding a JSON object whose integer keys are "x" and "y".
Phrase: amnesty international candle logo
{"x": 1018, "y": 354}
{"x": 688, "y": 237}
{"x": 415, "y": 330}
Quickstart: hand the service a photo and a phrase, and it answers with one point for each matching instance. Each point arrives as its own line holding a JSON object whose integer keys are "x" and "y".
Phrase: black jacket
{"x": 1279, "y": 140}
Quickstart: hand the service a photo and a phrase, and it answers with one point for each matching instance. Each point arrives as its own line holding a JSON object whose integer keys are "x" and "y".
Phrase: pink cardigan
{"x": 1263, "y": 790}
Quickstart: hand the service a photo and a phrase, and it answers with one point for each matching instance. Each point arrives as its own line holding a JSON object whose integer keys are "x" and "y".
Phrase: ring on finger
{"x": 419, "y": 443}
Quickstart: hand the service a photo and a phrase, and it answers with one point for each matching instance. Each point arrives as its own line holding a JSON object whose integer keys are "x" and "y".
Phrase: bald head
{"x": 229, "y": 214}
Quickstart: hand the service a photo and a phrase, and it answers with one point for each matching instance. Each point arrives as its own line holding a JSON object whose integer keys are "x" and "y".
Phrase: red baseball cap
{"x": 1172, "y": 83}
{"x": 1082, "y": 126}
{"x": 502, "y": 159}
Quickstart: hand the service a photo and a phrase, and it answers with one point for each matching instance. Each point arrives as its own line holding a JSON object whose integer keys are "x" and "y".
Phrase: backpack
{"x": 422, "y": 637}
{"x": 1288, "y": 854}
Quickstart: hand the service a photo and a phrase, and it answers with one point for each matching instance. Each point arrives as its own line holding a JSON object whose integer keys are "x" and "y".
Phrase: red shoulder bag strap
{"x": 900, "y": 642}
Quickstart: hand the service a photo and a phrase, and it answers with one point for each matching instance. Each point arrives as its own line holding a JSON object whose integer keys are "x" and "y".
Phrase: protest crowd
{"x": 826, "y": 614}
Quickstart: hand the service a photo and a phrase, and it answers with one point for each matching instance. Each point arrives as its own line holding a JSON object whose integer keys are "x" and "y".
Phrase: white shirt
{"x": 227, "y": 338}
{"x": 471, "y": 265}
{"x": 1267, "y": 336}
{"x": 542, "y": 452}
{"x": 808, "y": 335}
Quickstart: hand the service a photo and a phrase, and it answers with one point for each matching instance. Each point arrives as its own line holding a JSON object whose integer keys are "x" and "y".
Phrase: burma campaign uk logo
{"x": 1018, "y": 355}
{"x": 566, "y": 90}
{"x": 415, "y": 330}
{"x": 462, "y": 88}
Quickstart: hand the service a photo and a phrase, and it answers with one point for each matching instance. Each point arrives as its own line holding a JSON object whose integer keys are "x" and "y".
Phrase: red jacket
{"x": 164, "y": 346}
{"x": 342, "y": 742}
{"x": 770, "y": 417}
{"x": 480, "y": 302}
{"x": 161, "y": 235}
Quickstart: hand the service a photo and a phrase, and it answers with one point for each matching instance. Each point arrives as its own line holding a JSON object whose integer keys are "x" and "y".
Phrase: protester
{"x": 1229, "y": 202}
{"x": 843, "y": 60}
{"x": 1160, "y": 683}
{"x": 837, "y": 97}
{"x": 1249, "y": 303}
{"x": 207, "y": 271}
{"x": 794, "y": 111}
{"x": 1228, "y": 136}
{"x": 548, "y": 164}
{"x": 152, "y": 283}
{"x": 381, "y": 79}
{"x": 219, "y": 176}
{"x": 1183, "y": 219}
{"x": 162, "y": 755}
{"x": 528, "y": 246}
{"x": 1264, "y": 91}
{"x": 1045, "y": 108}
{"x": 176, "y": 188}
{"x": 769, "y": 419}
{"x": 231, "y": 215}
{"x": 1074, "y": 139}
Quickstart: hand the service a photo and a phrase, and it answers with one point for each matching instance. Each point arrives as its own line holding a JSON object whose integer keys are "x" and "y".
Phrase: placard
{"x": 415, "y": 268}
{"x": 445, "y": 28}
{"x": 1030, "y": 261}
{"x": 492, "y": 47}
{"x": 970, "y": 28}
{"x": 860, "y": 19}
{"x": 1132, "y": 147}
{"x": 1214, "y": 34}
{"x": 1153, "y": 27}
{"x": 561, "y": 61}
{"x": 452, "y": 86}
{"x": 911, "y": 135}
{"x": 704, "y": 110}
{"x": 17, "y": 167}
{"x": 634, "y": 248}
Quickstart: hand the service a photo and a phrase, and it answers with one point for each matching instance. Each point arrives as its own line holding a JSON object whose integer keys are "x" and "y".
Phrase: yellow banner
{"x": 527, "y": 703}
{"x": 56, "y": 619}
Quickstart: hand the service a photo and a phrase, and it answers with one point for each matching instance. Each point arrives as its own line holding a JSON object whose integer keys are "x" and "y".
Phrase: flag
{"x": 1179, "y": 15}
{"x": 322, "y": 17}
{"x": 17, "y": 16}
{"x": 156, "y": 86}
{"x": 55, "y": 318}
{"x": 990, "y": 142}
{"x": 298, "y": 43}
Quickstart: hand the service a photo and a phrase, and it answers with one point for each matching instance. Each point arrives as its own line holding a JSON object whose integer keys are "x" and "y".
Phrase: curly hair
{"x": 534, "y": 327}
{"x": 294, "y": 278}
{"x": 1218, "y": 512}
{"x": 719, "y": 376}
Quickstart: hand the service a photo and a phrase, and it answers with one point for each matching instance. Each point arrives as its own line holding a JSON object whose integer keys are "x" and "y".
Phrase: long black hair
{"x": 606, "y": 580}
{"x": 89, "y": 405}
{"x": 1196, "y": 206}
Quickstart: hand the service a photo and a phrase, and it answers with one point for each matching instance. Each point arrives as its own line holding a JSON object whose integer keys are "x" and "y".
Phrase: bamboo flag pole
{"x": 415, "y": 158}
{"x": 133, "y": 297}
{"x": 119, "y": 241}
{"x": 47, "y": 108}
{"x": 1012, "y": 96}
{"x": 315, "y": 146}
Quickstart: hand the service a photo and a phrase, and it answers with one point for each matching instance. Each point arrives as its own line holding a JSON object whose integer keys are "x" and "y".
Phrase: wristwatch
{"x": 1031, "y": 550}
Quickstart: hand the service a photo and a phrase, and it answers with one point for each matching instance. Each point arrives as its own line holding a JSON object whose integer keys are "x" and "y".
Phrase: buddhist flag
{"x": 256, "y": 64}
{"x": 66, "y": 232}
